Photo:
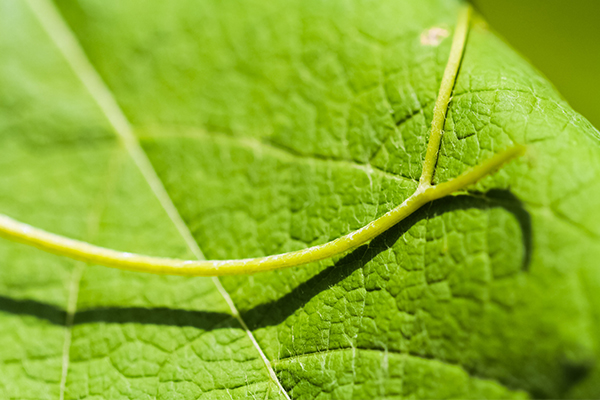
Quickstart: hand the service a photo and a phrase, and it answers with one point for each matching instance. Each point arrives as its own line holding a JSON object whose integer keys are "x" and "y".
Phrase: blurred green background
{"x": 561, "y": 38}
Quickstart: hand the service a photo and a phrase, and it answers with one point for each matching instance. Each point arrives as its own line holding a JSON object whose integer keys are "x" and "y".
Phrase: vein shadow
{"x": 151, "y": 316}
{"x": 275, "y": 312}
{"x": 116, "y": 315}
{"x": 33, "y": 308}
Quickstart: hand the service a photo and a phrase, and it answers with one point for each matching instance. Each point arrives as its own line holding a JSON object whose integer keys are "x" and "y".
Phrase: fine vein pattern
{"x": 52, "y": 21}
{"x": 425, "y": 193}
{"x": 274, "y": 127}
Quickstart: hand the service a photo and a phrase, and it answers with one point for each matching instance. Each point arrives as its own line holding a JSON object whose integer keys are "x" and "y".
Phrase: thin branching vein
{"x": 425, "y": 193}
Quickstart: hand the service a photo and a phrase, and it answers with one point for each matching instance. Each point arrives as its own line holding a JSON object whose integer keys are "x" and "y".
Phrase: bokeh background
{"x": 561, "y": 38}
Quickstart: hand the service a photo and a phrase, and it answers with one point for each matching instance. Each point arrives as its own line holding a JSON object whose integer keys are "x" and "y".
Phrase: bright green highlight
{"x": 474, "y": 294}
{"x": 443, "y": 99}
{"x": 17, "y": 231}
{"x": 425, "y": 193}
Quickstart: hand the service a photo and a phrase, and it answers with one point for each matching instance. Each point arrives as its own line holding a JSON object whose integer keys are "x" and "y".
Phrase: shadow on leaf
{"x": 276, "y": 312}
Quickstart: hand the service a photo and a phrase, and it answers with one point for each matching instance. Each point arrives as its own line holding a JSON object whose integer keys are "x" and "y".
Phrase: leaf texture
{"x": 274, "y": 126}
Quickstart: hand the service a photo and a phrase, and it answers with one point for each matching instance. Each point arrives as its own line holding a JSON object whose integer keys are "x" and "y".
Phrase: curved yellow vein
{"x": 23, "y": 233}
{"x": 441, "y": 104}
{"x": 20, "y": 232}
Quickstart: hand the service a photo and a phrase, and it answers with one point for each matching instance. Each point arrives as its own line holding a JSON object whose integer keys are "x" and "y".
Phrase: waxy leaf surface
{"x": 274, "y": 126}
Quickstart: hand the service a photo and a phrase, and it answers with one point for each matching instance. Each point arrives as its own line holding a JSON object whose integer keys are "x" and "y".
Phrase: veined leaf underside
{"x": 425, "y": 193}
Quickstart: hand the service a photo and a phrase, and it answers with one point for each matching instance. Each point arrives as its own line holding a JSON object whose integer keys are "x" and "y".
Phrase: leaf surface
{"x": 274, "y": 126}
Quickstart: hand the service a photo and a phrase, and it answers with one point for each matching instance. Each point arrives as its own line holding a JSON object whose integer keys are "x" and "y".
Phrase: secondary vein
{"x": 89, "y": 253}
{"x": 20, "y": 232}
{"x": 441, "y": 104}
{"x": 23, "y": 233}
{"x": 65, "y": 40}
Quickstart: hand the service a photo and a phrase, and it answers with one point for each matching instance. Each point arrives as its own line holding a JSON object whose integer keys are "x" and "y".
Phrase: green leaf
{"x": 274, "y": 126}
